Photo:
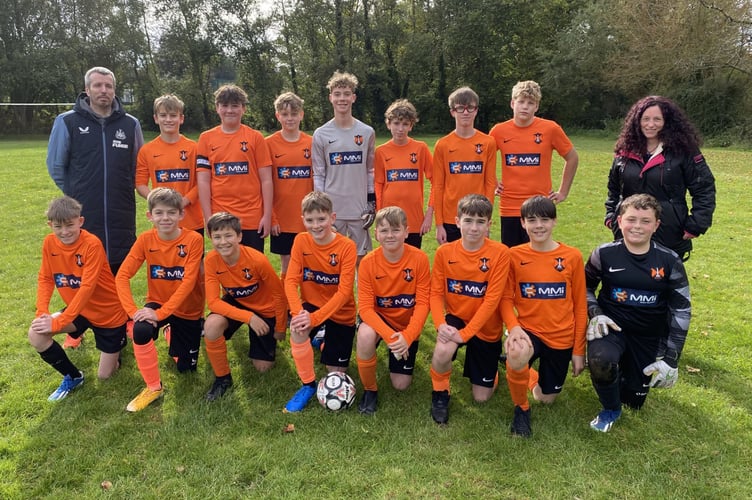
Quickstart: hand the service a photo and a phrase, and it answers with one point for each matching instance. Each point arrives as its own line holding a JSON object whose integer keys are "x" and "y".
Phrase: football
{"x": 336, "y": 391}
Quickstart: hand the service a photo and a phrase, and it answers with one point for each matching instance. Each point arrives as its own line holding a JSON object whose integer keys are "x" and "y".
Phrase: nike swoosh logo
{"x": 279, "y": 156}
{"x": 55, "y": 254}
{"x": 452, "y": 150}
{"x": 557, "y": 387}
{"x": 220, "y": 272}
{"x": 193, "y": 351}
{"x": 380, "y": 277}
{"x": 341, "y": 360}
{"x": 157, "y": 156}
{"x": 306, "y": 254}
{"x": 214, "y": 148}
{"x": 332, "y": 142}
{"x": 405, "y": 367}
{"x": 452, "y": 261}
{"x": 153, "y": 250}
{"x": 615, "y": 269}
{"x": 388, "y": 159}
{"x": 526, "y": 263}
{"x": 507, "y": 140}
{"x": 487, "y": 379}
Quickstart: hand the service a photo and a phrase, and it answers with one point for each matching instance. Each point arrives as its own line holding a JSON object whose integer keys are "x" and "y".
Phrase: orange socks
{"x": 533, "y": 379}
{"x": 216, "y": 351}
{"x": 367, "y": 372}
{"x": 302, "y": 354}
{"x": 440, "y": 381}
{"x": 148, "y": 364}
{"x": 518, "y": 381}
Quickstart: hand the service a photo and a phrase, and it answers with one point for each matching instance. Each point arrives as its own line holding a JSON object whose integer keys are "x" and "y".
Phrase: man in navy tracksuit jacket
{"x": 91, "y": 157}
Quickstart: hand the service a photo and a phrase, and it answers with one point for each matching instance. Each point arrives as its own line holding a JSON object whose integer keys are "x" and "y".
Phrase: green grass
{"x": 689, "y": 442}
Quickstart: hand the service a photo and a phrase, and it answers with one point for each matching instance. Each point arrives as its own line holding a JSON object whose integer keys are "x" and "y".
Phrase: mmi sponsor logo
{"x": 243, "y": 291}
{"x": 637, "y": 298}
{"x": 403, "y": 301}
{"x": 522, "y": 160}
{"x": 231, "y": 168}
{"x": 474, "y": 289}
{"x": 345, "y": 158}
{"x": 157, "y": 272}
{"x": 177, "y": 175}
{"x": 397, "y": 175}
{"x": 543, "y": 290}
{"x": 320, "y": 278}
{"x": 67, "y": 280}
{"x": 466, "y": 167}
{"x": 293, "y": 172}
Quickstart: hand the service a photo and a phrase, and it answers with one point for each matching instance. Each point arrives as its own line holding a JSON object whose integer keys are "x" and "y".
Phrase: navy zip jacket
{"x": 93, "y": 160}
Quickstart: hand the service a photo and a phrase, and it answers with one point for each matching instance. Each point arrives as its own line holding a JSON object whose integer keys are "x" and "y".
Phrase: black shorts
{"x": 338, "y": 340}
{"x": 632, "y": 353}
{"x": 261, "y": 347}
{"x": 282, "y": 244}
{"x": 401, "y": 366}
{"x": 252, "y": 238}
{"x": 414, "y": 239}
{"x": 512, "y": 232}
{"x": 107, "y": 340}
{"x": 553, "y": 365}
{"x": 481, "y": 357}
{"x": 452, "y": 232}
{"x": 185, "y": 334}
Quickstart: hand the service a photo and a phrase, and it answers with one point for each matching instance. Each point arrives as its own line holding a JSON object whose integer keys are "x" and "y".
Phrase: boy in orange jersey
{"x": 234, "y": 169}
{"x": 527, "y": 143}
{"x": 174, "y": 293}
{"x": 74, "y": 262}
{"x": 290, "y": 150}
{"x": 399, "y": 169}
{"x": 319, "y": 290}
{"x": 544, "y": 308}
{"x": 393, "y": 286}
{"x": 170, "y": 160}
{"x": 464, "y": 162}
{"x": 467, "y": 282}
{"x": 242, "y": 288}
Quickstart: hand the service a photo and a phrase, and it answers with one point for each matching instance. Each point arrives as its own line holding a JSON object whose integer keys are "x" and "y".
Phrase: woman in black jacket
{"x": 658, "y": 153}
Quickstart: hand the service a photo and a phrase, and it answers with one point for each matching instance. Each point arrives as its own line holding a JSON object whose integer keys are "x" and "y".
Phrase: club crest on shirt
{"x": 483, "y": 264}
{"x": 559, "y": 266}
{"x": 247, "y": 274}
{"x": 333, "y": 259}
{"x": 181, "y": 250}
{"x": 306, "y": 153}
{"x": 184, "y": 155}
{"x": 358, "y": 139}
{"x": 244, "y": 146}
{"x": 657, "y": 273}
{"x": 408, "y": 274}
{"x": 537, "y": 137}
{"x": 413, "y": 158}
{"x": 79, "y": 260}
{"x": 479, "y": 148}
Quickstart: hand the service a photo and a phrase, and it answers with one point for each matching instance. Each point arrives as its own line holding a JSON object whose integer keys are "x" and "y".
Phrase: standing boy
{"x": 544, "y": 307}
{"x": 290, "y": 151}
{"x": 343, "y": 151}
{"x": 234, "y": 169}
{"x": 527, "y": 143}
{"x": 467, "y": 281}
{"x": 393, "y": 286}
{"x": 640, "y": 319}
{"x": 174, "y": 293}
{"x": 74, "y": 262}
{"x": 464, "y": 162}
{"x": 319, "y": 290}
{"x": 241, "y": 288}
{"x": 169, "y": 160}
{"x": 401, "y": 165}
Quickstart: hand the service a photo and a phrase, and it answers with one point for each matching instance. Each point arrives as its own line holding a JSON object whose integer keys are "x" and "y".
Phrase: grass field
{"x": 693, "y": 441}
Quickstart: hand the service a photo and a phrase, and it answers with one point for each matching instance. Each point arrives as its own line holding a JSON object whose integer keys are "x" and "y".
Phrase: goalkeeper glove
{"x": 368, "y": 215}
{"x": 599, "y": 325}
{"x": 664, "y": 375}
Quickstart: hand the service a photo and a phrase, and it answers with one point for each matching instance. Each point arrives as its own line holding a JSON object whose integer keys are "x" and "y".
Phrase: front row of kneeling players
{"x": 539, "y": 290}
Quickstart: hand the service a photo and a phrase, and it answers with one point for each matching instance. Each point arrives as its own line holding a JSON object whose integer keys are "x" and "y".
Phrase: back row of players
{"x": 471, "y": 274}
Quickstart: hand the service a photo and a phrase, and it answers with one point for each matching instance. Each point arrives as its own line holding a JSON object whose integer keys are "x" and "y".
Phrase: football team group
{"x": 528, "y": 302}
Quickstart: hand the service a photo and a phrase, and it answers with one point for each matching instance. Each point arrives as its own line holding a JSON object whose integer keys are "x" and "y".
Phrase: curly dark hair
{"x": 678, "y": 134}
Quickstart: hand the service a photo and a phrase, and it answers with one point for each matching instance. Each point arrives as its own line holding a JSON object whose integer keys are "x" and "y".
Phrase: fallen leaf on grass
{"x": 289, "y": 428}
{"x": 692, "y": 369}
{"x": 106, "y": 485}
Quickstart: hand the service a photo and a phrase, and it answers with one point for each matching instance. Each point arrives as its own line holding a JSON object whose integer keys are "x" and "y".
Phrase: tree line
{"x": 593, "y": 58}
